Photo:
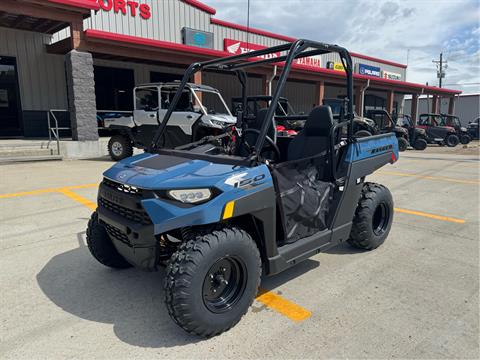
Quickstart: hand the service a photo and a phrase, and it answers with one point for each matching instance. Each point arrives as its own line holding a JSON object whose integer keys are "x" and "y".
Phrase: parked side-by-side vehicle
{"x": 220, "y": 211}
{"x": 201, "y": 111}
{"x": 454, "y": 121}
{"x": 436, "y": 133}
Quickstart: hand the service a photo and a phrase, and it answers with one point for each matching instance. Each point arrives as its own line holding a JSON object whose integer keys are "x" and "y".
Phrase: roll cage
{"x": 238, "y": 63}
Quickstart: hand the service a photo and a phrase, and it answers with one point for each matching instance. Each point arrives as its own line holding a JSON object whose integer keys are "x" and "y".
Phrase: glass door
{"x": 10, "y": 108}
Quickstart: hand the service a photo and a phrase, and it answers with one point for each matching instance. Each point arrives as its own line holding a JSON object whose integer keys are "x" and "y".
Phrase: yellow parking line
{"x": 431, "y": 216}
{"x": 43, "y": 191}
{"x": 460, "y": 181}
{"x": 74, "y": 196}
{"x": 283, "y": 306}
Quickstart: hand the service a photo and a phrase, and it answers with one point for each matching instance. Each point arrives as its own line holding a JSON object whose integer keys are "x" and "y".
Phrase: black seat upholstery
{"x": 315, "y": 136}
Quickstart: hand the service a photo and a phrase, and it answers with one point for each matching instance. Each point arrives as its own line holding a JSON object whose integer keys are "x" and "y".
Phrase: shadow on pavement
{"x": 131, "y": 300}
{"x": 344, "y": 249}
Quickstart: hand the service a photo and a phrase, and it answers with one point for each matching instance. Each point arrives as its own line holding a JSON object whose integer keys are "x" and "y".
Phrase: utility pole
{"x": 441, "y": 67}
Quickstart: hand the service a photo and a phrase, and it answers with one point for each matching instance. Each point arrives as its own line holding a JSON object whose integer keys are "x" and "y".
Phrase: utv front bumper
{"x": 127, "y": 223}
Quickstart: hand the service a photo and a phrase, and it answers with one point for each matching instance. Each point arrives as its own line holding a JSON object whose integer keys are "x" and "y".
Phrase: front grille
{"x": 128, "y": 189}
{"x": 138, "y": 216}
{"x": 117, "y": 234}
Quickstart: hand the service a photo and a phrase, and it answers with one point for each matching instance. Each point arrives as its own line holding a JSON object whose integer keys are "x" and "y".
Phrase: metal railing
{"x": 55, "y": 129}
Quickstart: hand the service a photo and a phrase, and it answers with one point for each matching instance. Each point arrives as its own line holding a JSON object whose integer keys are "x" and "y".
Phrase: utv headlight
{"x": 191, "y": 196}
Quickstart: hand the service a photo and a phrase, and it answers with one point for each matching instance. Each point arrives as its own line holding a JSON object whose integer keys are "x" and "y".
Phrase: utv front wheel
{"x": 452, "y": 140}
{"x": 465, "y": 139}
{"x": 402, "y": 144}
{"x": 373, "y": 217}
{"x": 420, "y": 144}
{"x": 101, "y": 246}
{"x": 211, "y": 281}
{"x": 119, "y": 147}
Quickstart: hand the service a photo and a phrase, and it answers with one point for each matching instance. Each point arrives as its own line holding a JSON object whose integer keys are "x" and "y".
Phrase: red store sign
{"x": 134, "y": 8}
{"x": 236, "y": 47}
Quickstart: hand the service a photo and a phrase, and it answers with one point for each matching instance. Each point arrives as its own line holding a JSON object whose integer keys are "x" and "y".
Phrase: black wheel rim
{"x": 224, "y": 284}
{"x": 380, "y": 220}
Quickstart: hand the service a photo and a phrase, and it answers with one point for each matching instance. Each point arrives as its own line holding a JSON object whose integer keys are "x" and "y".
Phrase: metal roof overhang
{"x": 44, "y": 16}
{"x": 154, "y": 51}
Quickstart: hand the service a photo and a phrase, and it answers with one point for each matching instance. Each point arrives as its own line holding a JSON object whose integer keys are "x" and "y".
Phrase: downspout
{"x": 271, "y": 80}
{"x": 362, "y": 100}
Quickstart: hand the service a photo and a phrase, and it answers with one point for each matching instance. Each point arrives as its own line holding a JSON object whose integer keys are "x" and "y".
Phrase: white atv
{"x": 200, "y": 112}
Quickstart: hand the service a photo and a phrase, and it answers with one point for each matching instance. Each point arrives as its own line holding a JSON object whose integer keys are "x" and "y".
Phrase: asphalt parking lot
{"x": 417, "y": 296}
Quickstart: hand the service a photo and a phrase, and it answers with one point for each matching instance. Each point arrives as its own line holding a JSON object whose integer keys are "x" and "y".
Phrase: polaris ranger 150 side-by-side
{"x": 219, "y": 211}
{"x": 201, "y": 111}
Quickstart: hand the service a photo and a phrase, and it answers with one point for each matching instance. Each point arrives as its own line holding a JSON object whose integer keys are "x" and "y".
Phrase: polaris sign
{"x": 369, "y": 70}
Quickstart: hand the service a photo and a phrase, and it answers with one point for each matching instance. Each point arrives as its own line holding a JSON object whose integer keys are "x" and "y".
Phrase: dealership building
{"x": 83, "y": 57}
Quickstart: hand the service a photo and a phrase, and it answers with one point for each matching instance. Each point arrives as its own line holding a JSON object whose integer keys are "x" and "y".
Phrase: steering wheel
{"x": 270, "y": 142}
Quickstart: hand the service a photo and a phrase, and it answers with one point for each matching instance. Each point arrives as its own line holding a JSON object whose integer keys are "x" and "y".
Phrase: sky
{"x": 389, "y": 29}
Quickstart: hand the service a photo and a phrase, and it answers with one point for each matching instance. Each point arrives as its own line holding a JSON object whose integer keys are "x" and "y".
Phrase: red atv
{"x": 437, "y": 134}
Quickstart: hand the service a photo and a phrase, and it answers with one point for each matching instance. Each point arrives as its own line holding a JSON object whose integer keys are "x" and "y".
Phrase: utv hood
{"x": 153, "y": 171}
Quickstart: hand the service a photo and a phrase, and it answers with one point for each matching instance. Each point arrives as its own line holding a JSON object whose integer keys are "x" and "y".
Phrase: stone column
{"x": 81, "y": 95}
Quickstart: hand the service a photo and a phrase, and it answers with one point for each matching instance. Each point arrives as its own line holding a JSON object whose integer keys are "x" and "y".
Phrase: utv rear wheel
{"x": 465, "y": 139}
{"x": 402, "y": 144}
{"x": 420, "y": 144}
{"x": 452, "y": 140}
{"x": 211, "y": 281}
{"x": 362, "y": 133}
{"x": 120, "y": 147}
{"x": 101, "y": 246}
{"x": 373, "y": 217}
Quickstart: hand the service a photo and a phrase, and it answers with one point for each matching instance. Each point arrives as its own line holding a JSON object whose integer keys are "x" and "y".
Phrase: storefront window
{"x": 113, "y": 88}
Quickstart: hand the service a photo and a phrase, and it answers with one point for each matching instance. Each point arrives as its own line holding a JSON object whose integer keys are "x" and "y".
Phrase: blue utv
{"x": 220, "y": 211}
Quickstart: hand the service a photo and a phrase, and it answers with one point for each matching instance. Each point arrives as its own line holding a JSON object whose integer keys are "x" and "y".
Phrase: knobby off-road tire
{"x": 420, "y": 144}
{"x": 373, "y": 217}
{"x": 465, "y": 139}
{"x": 119, "y": 147}
{"x": 226, "y": 260}
{"x": 402, "y": 144}
{"x": 452, "y": 140}
{"x": 101, "y": 246}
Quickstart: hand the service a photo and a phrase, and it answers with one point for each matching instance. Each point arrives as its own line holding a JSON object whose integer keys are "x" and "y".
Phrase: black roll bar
{"x": 298, "y": 49}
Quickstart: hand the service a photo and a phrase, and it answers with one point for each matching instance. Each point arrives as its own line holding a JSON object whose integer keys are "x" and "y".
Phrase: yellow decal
{"x": 228, "y": 212}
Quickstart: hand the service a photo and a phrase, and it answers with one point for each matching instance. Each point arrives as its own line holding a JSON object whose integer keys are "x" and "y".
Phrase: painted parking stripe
{"x": 431, "y": 216}
{"x": 74, "y": 196}
{"x": 425, "y": 177}
{"x": 44, "y": 191}
{"x": 283, "y": 306}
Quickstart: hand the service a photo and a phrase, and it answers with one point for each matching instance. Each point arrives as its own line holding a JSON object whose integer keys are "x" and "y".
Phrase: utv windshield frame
{"x": 238, "y": 63}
